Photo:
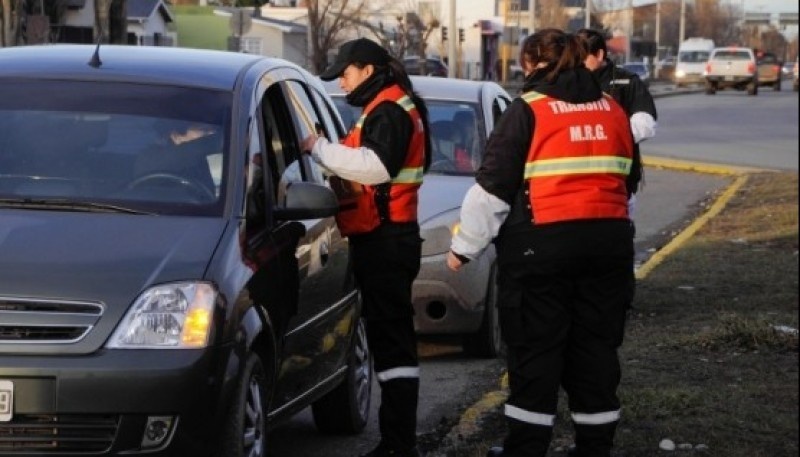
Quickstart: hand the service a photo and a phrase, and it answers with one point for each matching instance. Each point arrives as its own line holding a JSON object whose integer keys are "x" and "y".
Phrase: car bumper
{"x": 100, "y": 404}
{"x": 447, "y": 302}
{"x": 730, "y": 80}
{"x": 690, "y": 78}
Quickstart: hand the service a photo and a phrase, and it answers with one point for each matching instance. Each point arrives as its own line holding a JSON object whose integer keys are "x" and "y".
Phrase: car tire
{"x": 711, "y": 88}
{"x": 346, "y": 408}
{"x": 777, "y": 86}
{"x": 487, "y": 341}
{"x": 245, "y": 431}
{"x": 752, "y": 88}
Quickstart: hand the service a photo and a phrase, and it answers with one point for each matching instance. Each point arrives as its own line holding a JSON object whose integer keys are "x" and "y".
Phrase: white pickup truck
{"x": 731, "y": 67}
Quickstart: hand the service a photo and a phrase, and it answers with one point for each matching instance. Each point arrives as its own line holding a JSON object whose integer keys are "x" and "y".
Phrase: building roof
{"x": 284, "y": 26}
{"x": 141, "y": 10}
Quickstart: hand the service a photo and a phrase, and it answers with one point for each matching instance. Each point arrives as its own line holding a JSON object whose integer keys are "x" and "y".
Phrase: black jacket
{"x": 387, "y": 130}
{"x": 501, "y": 175}
{"x": 632, "y": 94}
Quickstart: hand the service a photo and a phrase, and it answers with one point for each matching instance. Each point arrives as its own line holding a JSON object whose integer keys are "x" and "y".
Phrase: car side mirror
{"x": 306, "y": 200}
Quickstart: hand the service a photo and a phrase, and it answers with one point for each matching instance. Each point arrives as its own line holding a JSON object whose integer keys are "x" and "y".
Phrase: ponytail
{"x": 400, "y": 76}
{"x": 559, "y": 51}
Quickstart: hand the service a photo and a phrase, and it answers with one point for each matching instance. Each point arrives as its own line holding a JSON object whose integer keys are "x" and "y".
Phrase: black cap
{"x": 359, "y": 50}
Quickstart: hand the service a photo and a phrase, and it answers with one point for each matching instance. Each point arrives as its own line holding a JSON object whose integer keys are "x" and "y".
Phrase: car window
{"x": 158, "y": 149}
{"x": 767, "y": 59}
{"x": 732, "y": 55}
{"x": 456, "y": 137}
{"x": 348, "y": 112}
{"x": 334, "y": 130}
{"x": 306, "y": 120}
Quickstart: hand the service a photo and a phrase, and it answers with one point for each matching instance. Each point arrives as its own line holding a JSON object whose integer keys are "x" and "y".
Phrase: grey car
{"x": 172, "y": 281}
{"x": 462, "y": 114}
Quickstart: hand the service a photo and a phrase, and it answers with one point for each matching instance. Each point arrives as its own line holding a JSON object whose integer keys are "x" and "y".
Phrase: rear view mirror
{"x": 306, "y": 200}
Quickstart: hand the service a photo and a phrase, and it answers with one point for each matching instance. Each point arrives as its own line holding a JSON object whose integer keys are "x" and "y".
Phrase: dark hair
{"x": 594, "y": 40}
{"x": 560, "y": 51}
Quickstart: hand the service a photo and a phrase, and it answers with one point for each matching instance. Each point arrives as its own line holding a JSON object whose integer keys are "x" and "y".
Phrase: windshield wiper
{"x": 64, "y": 204}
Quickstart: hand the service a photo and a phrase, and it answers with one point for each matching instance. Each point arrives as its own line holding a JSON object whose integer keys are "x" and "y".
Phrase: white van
{"x": 692, "y": 57}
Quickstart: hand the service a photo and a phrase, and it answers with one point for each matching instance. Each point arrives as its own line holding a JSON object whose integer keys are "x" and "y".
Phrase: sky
{"x": 765, "y": 6}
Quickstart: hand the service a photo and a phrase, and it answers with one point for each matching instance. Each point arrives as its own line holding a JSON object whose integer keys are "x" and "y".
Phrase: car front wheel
{"x": 346, "y": 408}
{"x": 245, "y": 427}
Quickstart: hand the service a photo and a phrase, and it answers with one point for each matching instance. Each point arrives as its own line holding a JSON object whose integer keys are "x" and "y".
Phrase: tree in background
{"x": 11, "y": 24}
{"x": 326, "y": 21}
{"x": 110, "y": 21}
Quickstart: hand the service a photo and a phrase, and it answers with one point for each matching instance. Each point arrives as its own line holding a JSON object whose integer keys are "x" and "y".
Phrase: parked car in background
{"x": 665, "y": 69}
{"x": 769, "y": 70}
{"x": 430, "y": 66}
{"x": 168, "y": 297}
{"x": 462, "y": 114}
{"x": 640, "y": 69}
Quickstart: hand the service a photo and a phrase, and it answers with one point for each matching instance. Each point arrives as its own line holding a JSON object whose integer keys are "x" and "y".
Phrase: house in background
{"x": 268, "y": 35}
{"x": 149, "y": 23}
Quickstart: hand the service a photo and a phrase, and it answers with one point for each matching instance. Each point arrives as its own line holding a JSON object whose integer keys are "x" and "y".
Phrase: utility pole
{"x": 629, "y": 32}
{"x": 588, "y": 14}
{"x": 452, "y": 58}
{"x": 658, "y": 28}
{"x": 531, "y": 18}
{"x": 682, "y": 33}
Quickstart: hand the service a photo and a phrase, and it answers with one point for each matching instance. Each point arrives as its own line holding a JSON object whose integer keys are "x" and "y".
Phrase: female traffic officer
{"x": 382, "y": 159}
{"x": 551, "y": 194}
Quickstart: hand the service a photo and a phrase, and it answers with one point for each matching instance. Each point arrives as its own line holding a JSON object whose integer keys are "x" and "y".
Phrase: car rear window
{"x": 732, "y": 55}
{"x": 151, "y": 148}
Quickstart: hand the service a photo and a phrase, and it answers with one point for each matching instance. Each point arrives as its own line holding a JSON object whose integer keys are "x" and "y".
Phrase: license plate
{"x": 729, "y": 78}
{"x": 6, "y": 400}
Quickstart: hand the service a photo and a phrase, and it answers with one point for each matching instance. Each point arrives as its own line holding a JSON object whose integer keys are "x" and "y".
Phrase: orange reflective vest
{"x": 359, "y": 211}
{"x": 578, "y": 159}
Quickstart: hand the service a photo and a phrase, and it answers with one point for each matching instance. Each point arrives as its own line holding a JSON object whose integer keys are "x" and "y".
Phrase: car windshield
{"x": 456, "y": 134}
{"x": 145, "y": 148}
{"x": 693, "y": 56}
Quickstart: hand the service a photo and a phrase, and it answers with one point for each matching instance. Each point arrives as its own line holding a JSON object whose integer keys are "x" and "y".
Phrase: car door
{"x": 313, "y": 342}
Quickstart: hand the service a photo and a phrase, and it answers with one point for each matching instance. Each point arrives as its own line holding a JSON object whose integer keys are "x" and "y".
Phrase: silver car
{"x": 461, "y": 114}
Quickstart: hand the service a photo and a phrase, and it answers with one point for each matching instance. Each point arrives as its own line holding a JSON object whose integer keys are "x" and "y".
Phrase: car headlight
{"x": 680, "y": 73}
{"x": 437, "y": 234}
{"x": 175, "y": 316}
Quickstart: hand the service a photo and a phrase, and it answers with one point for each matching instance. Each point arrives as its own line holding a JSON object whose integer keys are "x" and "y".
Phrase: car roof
{"x": 436, "y": 88}
{"x": 163, "y": 65}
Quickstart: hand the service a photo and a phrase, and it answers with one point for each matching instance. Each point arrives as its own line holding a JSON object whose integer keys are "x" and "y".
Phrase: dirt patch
{"x": 710, "y": 359}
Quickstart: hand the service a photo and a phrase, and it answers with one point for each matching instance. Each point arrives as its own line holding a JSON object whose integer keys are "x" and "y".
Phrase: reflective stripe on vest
{"x": 578, "y": 165}
{"x": 359, "y": 211}
{"x": 578, "y": 159}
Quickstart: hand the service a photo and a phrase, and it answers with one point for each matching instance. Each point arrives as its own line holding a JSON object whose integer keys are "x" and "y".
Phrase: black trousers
{"x": 563, "y": 321}
{"x": 385, "y": 268}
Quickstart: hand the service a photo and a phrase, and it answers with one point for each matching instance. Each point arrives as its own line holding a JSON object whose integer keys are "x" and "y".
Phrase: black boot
{"x": 384, "y": 451}
{"x": 495, "y": 452}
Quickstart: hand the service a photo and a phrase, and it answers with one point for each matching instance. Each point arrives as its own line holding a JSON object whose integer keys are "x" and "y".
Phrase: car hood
{"x": 440, "y": 194}
{"x": 107, "y": 259}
